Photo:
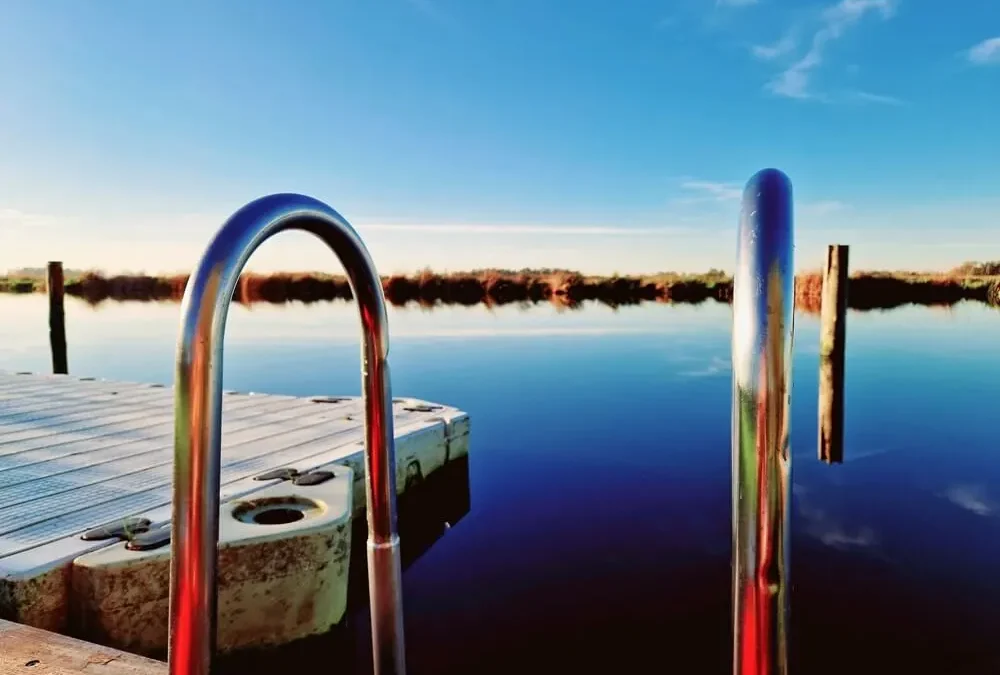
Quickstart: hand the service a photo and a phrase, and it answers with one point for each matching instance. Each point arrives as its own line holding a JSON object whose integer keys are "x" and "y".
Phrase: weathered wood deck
{"x": 78, "y": 453}
{"x": 31, "y": 651}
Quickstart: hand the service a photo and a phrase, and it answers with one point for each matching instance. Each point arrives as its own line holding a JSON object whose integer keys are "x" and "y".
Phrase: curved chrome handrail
{"x": 763, "y": 329}
{"x": 198, "y": 429}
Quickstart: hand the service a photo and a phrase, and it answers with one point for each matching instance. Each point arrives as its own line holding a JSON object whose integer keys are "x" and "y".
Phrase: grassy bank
{"x": 867, "y": 290}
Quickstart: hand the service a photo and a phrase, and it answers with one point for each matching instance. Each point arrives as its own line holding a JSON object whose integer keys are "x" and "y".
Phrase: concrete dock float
{"x": 86, "y": 468}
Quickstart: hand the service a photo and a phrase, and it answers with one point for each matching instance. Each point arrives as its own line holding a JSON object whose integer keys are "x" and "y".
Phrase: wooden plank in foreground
{"x": 31, "y": 651}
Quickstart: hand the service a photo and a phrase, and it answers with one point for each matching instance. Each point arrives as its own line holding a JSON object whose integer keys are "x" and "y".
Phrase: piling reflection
{"x": 426, "y": 513}
{"x": 831, "y": 409}
{"x": 763, "y": 309}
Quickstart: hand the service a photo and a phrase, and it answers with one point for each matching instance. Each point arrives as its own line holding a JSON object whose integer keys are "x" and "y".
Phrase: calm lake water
{"x": 598, "y": 538}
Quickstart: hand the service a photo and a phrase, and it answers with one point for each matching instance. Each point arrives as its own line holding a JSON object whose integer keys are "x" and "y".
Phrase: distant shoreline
{"x": 866, "y": 290}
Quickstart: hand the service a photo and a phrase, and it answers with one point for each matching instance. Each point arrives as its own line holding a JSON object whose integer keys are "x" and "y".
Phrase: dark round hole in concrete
{"x": 277, "y": 516}
{"x": 279, "y": 510}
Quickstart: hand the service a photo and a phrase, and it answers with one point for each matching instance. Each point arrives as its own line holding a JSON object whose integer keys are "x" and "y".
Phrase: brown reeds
{"x": 95, "y": 287}
{"x": 885, "y": 290}
{"x": 866, "y": 290}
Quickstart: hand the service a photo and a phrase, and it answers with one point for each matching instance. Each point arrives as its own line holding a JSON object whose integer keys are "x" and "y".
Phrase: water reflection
{"x": 972, "y": 497}
{"x": 598, "y": 538}
{"x": 426, "y": 515}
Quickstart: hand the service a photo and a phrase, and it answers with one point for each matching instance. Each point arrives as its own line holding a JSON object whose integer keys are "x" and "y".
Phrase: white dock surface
{"x": 77, "y": 453}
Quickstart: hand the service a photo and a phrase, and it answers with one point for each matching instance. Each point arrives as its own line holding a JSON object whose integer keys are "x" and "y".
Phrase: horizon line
{"x": 11, "y": 272}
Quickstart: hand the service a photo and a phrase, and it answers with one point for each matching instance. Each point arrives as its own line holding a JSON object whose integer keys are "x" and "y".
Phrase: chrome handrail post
{"x": 198, "y": 429}
{"x": 763, "y": 328}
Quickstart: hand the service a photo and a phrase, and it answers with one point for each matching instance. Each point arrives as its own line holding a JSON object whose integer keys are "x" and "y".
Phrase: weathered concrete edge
{"x": 41, "y": 597}
{"x": 277, "y": 583}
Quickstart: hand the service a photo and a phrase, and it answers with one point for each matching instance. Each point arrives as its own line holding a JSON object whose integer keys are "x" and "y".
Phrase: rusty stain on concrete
{"x": 41, "y": 601}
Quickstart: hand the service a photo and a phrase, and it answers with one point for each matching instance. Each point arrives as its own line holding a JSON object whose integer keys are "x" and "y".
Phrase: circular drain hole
{"x": 278, "y": 516}
{"x": 277, "y": 510}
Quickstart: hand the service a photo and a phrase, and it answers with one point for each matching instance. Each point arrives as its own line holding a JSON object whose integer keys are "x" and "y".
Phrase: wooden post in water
{"x": 57, "y": 317}
{"x": 832, "y": 339}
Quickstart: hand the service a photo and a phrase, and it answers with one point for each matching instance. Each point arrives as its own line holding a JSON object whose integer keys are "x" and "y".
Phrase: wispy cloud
{"x": 795, "y": 81}
{"x": 704, "y": 191}
{"x": 772, "y": 52}
{"x": 486, "y": 229}
{"x": 16, "y": 219}
{"x": 868, "y": 97}
{"x": 822, "y": 208}
{"x": 175, "y": 223}
{"x": 985, "y": 53}
{"x": 709, "y": 191}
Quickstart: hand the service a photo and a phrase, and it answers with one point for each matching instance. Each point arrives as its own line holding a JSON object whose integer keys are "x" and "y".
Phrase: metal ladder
{"x": 198, "y": 429}
{"x": 763, "y": 327}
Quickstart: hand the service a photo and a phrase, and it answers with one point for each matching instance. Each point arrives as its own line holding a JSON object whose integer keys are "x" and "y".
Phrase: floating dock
{"x": 86, "y": 470}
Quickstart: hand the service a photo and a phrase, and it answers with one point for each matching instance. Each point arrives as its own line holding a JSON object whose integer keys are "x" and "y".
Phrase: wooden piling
{"x": 54, "y": 286}
{"x": 833, "y": 334}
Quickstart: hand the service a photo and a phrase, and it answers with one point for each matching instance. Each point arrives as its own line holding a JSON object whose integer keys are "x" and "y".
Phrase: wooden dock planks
{"x": 77, "y": 453}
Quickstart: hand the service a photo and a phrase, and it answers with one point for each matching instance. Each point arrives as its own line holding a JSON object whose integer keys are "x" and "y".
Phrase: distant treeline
{"x": 977, "y": 269}
{"x": 866, "y": 290}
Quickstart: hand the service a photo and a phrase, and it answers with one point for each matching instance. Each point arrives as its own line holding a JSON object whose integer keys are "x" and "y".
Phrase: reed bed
{"x": 866, "y": 290}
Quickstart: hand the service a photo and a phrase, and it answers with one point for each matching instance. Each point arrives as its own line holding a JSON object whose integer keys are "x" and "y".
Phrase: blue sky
{"x": 604, "y": 136}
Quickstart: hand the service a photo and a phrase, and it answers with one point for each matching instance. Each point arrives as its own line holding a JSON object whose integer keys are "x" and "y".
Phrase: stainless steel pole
{"x": 763, "y": 327}
{"x": 198, "y": 429}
